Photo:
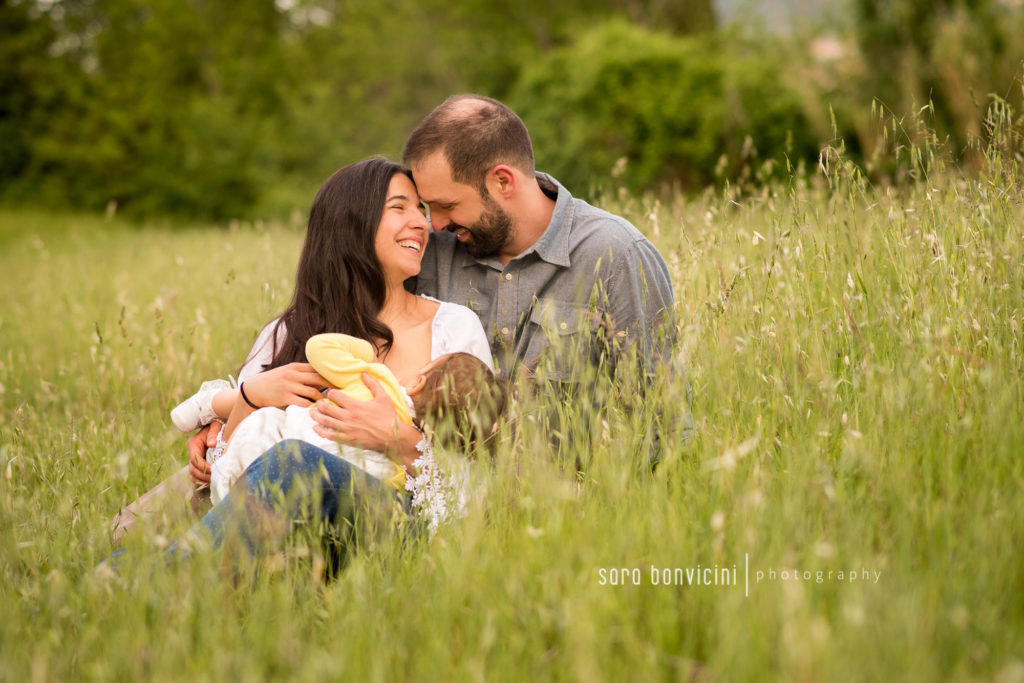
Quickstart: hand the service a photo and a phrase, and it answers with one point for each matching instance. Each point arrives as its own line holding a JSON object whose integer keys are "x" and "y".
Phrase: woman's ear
{"x": 417, "y": 385}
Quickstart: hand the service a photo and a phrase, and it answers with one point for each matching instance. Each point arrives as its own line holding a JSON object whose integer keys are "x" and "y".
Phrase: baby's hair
{"x": 463, "y": 393}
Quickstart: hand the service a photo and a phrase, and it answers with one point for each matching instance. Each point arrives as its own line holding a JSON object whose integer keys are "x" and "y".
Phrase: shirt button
{"x": 508, "y": 276}
{"x": 504, "y": 331}
{"x": 564, "y": 325}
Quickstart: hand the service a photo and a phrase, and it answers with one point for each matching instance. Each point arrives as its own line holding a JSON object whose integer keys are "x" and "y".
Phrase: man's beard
{"x": 491, "y": 232}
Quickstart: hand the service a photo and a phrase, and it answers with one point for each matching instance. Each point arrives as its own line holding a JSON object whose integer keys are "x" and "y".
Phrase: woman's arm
{"x": 260, "y": 355}
{"x": 295, "y": 384}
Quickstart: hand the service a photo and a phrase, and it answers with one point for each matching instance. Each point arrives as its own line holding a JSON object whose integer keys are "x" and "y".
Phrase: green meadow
{"x": 853, "y": 484}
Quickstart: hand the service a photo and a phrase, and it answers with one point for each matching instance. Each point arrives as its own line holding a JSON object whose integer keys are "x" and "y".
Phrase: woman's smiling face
{"x": 403, "y": 231}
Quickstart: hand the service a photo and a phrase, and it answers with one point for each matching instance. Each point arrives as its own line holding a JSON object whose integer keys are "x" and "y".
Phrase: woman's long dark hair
{"x": 340, "y": 285}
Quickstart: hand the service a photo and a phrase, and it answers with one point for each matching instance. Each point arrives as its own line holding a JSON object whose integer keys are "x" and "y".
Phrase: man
{"x": 552, "y": 278}
{"x": 535, "y": 264}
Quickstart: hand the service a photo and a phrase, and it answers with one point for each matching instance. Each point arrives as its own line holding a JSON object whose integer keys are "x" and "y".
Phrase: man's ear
{"x": 502, "y": 181}
{"x": 417, "y": 386}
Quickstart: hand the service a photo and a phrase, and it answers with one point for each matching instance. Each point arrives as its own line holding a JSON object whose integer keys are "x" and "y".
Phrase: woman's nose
{"x": 419, "y": 220}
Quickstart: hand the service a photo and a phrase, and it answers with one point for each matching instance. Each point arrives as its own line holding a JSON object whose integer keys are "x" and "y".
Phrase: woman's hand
{"x": 295, "y": 384}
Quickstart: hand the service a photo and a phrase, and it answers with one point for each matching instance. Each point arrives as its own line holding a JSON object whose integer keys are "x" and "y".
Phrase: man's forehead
{"x": 433, "y": 177}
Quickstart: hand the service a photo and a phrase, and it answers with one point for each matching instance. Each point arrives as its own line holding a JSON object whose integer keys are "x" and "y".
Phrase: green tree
{"x": 159, "y": 108}
{"x": 952, "y": 53}
{"x": 195, "y": 107}
{"x": 25, "y": 72}
{"x": 653, "y": 107}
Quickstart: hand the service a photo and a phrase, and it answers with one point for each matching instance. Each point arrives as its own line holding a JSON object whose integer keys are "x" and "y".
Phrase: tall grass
{"x": 855, "y": 355}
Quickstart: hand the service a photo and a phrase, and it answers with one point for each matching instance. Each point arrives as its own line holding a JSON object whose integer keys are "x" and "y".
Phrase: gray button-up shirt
{"x": 589, "y": 288}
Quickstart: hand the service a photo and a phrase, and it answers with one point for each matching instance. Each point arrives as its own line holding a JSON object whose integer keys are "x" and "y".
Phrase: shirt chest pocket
{"x": 559, "y": 338}
{"x": 559, "y": 318}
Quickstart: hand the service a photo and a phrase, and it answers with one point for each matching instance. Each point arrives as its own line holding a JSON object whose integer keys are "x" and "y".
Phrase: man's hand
{"x": 372, "y": 425}
{"x": 198, "y": 468}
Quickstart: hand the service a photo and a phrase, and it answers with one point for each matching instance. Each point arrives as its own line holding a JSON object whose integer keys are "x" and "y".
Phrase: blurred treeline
{"x": 200, "y": 108}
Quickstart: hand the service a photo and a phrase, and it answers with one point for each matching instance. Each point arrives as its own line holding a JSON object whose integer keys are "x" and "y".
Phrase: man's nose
{"x": 438, "y": 221}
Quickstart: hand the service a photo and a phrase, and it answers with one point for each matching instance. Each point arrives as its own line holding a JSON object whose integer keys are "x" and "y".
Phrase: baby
{"x": 458, "y": 386}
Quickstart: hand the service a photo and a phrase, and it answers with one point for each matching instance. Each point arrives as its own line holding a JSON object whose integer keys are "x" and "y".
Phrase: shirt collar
{"x": 553, "y": 244}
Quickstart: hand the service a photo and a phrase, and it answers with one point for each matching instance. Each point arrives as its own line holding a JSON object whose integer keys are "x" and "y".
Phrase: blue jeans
{"x": 296, "y": 485}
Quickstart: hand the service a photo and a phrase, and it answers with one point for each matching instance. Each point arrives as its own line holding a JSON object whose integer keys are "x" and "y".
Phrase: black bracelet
{"x": 241, "y": 389}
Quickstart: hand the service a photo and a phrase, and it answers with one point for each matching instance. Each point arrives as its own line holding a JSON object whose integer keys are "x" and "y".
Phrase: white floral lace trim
{"x": 432, "y": 491}
{"x": 214, "y": 452}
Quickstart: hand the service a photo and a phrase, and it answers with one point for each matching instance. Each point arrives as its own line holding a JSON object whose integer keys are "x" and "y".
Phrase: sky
{"x": 777, "y": 15}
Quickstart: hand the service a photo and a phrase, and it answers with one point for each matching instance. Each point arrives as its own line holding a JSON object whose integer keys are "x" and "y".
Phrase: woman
{"x": 365, "y": 237}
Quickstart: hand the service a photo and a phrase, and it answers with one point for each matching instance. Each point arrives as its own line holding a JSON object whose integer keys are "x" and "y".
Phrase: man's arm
{"x": 198, "y": 468}
{"x": 641, "y": 307}
{"x": 373, "y": 425}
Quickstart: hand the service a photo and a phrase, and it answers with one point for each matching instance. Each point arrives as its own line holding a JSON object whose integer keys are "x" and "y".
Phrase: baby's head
{"x": 458, "y": 389}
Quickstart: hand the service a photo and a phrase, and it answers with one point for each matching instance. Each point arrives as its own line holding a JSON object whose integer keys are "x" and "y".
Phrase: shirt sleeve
{"x": 262, "y": 351}
{"x": 640, "y": 304}
{"x": 457, "y": 330}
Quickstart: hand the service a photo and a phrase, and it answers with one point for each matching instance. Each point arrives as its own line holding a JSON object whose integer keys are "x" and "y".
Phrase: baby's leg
{"x": 223, "y": 401}
{"x": 198, "y": 410}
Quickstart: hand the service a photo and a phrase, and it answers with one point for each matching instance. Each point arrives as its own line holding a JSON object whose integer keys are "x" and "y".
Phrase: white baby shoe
{"x": 197, "y": 410}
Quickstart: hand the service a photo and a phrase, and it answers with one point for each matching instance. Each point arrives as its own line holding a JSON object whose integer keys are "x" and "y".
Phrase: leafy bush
{"x": 140, "y": 105}
{"x": 949, "y": 55}
{"x": 670, "y": 106}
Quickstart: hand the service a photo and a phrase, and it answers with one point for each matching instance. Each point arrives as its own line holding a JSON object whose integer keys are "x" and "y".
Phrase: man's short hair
{"x": 476, "y": 133}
